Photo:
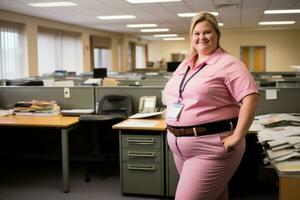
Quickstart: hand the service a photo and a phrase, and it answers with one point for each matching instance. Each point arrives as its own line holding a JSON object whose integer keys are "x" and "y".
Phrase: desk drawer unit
{"x": 142, "y": 166}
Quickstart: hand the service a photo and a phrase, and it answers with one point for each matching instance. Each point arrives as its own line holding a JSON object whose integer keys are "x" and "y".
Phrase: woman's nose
{"x": 202, "y": 36}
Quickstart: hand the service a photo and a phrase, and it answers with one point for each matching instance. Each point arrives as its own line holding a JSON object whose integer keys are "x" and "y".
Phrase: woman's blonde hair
{"x": 200, "y": 17}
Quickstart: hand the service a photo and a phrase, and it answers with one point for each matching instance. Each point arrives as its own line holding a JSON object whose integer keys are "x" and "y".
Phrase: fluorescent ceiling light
{"x": 176, "y": 38}
{"x": 155, "y": 30}
{"x": 108, "y": 17}
{"x": 140, "y": 25}
{"x": 220, "y": 24}
{"x": 165, "y": 35}
{"x": 193, "y": 14}
{"x": 151, "y": 1}
{"x": 53, "y": 4}
{"x": 276, "y": 23}
{"x": 290, "y": 11}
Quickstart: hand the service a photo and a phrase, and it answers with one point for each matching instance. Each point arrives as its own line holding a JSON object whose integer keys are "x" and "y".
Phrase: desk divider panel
{"x": 134, "y": 92}
{"x": 80, "y": 97}
{"x": 152, "y": 82}
{"x": 287, "y": 101}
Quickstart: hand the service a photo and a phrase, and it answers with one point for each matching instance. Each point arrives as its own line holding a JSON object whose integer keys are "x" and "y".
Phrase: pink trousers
{"x": 204, "y": 166}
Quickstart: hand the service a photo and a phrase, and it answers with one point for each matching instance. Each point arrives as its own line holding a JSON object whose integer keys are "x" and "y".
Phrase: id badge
{"x": 175, "y": 111}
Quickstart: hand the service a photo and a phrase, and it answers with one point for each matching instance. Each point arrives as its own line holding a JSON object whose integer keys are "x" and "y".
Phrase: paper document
{"x": 295, "y": 154}
{"x": 138, "y": 123}
{"x": 283, "y": 146}
{"x": 277, "y": 154}
{"x": 96, "y": 81}
{"x": 77, "y": 111}
{"x": 6, "y": 112}
{"x": 145, "y": 115}
{"x": 271, "y": 94}
{"x": 256, "y": 126}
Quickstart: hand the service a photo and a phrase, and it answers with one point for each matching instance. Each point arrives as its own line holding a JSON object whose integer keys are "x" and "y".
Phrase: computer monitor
{"x": 100, "y": 73}
{"x": 172, "y": 66}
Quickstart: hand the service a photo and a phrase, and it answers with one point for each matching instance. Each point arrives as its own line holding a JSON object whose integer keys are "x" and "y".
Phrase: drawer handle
{"x": 141, "y": 154}
{"x": 142, "y": 167}
{"x": 141, "y": 141}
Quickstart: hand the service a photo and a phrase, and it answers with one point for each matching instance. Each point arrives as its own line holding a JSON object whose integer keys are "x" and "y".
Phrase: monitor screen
{"x": 172, "y": 66}
{"x": 100, "y": 73}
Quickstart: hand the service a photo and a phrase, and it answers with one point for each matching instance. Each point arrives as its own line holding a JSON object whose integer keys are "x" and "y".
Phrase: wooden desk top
{"x": 57, "y": 121}
{"x": 142, "y": 124}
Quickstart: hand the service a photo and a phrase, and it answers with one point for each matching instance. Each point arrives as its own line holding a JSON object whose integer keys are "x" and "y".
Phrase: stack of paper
{"x": 145, "y": 115}
{"x": 36, "y": 108}
{"x": 282, "y": 119}
{"x": 284, "y": 141}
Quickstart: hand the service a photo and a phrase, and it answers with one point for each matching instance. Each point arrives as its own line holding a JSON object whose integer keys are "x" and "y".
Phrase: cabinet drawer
{"x": 141, "y": 155}
{"x": 141, "y": 141}
{"x": 142, "y": 178}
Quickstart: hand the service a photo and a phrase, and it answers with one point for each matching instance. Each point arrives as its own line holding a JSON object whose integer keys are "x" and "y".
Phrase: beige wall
{"x": 282, "y": 47}
{"x": 158, "y": 50}
{"x": 31, "y": 30}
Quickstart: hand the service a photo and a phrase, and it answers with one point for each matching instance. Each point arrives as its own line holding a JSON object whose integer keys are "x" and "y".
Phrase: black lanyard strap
{"x": 183, "y": 84}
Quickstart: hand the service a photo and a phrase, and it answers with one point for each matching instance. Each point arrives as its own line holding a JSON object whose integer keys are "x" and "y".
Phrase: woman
{"x": 211, "y": 101}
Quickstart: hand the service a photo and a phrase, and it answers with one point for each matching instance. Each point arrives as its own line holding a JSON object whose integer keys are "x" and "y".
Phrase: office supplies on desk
{"x": 36, "y": 108}
{"x": 145, "y": 115}
{"x": 279, "y": 119}
{"x": 138, "y": 123}
{"x": 66, "y": 83}
{"x": 5, "y": 112}
{"x": 76, "y": 112}
{"x": 282, "y": 139}
{"x": 93, "y": 81}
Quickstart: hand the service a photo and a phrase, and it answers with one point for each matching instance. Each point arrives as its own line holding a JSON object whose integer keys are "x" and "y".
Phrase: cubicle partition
{"x": 134, "y": 92}
{"x": 146, "y": 82}
{"x": 279, "y": 100}
{"x": 43, "y": 142}
{"x": 80, "y": 97}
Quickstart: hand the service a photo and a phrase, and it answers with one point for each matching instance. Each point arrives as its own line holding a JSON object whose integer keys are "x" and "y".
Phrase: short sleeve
{"x": 239, "y": 80}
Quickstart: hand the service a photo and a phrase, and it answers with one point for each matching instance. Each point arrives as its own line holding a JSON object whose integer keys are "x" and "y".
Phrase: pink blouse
{"x": 213, "y": 93}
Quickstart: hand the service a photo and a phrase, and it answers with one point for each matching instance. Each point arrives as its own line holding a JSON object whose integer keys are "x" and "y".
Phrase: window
{"x": 140, "y": 57}
{"x": 13, "y": 62}
{"x": 58, "y": 50}
{"x": 102, "y": 58}
{"x": 101, "y": 52}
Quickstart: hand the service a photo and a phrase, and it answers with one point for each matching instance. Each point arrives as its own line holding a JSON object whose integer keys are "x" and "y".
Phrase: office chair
{"x": 111, "y": 110}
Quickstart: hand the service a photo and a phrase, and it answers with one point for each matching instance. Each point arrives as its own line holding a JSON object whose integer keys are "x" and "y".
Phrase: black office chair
{"x": 111, "y": 110}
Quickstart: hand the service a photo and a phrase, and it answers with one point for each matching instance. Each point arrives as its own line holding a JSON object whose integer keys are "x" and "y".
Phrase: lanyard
{"x": 183, "y": 84}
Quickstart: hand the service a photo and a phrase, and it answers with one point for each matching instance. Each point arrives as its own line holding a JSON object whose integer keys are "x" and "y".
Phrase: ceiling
{"x": 234, "y": 14}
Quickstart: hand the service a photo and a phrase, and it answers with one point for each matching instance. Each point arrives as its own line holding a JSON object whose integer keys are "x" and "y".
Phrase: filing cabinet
{"x": 142, "y": 162}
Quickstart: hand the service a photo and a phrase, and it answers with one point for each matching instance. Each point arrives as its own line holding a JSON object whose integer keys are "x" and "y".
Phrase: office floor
{"x": 41, "y": 180}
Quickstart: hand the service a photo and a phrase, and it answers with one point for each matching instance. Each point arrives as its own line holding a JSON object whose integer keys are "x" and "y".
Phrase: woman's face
{"x": 204, "y": 38}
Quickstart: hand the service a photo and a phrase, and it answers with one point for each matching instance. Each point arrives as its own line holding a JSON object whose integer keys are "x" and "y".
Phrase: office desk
{"x": 289, "y": 179}
{"x": 65, "y": 124}
{"x": 142, "y": 156}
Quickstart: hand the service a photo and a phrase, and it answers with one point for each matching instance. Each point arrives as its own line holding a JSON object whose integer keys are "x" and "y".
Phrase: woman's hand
{"x": 230, "y": 141}
{"x": 246, "y": 116}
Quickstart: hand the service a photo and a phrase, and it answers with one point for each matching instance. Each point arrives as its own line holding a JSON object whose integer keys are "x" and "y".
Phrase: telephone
{"x": 147, "y": 104}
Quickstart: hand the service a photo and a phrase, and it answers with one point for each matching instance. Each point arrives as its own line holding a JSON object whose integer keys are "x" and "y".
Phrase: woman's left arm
{"x": 246, "y": 115}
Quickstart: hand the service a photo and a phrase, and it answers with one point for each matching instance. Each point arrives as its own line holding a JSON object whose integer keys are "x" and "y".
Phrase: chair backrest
{"x": 115, "y": 105}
